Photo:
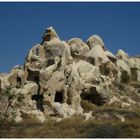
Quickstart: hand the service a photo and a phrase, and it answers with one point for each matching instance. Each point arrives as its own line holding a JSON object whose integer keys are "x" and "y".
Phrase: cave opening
{"x": 39, "y": 101}
{"x": 59, "y": 97}
{"x": 93, "y": 96}
{"x": 18, "y": 80}
{"x": 36, "y": 79}
{"x": 33, "y": 75}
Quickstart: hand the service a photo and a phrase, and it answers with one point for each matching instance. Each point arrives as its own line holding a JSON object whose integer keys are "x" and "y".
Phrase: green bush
{"x": 125, "y": 78}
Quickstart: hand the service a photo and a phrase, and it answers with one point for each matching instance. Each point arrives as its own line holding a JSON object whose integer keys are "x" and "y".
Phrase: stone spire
{"x": 49, "y": 34}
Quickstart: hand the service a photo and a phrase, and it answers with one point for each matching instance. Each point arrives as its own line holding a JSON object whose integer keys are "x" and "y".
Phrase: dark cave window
{"x": 93, "y": 96}
{"x": 59, "y": 97}
{"x": 37, "y": 51}
{"x": 18, "y": 80}
{"x": 39, "y": 101}
{"x": 36, "y": 79}
{"x": 33, "y": 75}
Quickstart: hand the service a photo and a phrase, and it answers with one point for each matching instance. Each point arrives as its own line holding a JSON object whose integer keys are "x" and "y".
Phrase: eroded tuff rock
{"x": 57, "y": 75}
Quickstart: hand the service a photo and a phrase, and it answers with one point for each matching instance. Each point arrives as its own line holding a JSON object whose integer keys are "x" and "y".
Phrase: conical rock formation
{"x": 57, "y": 75}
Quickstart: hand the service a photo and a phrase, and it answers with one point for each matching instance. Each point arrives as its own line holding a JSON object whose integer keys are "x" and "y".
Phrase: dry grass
{"x": 74, "y": 127}
{"x": 87, "y": 106}
{"x": 67, "y": 128}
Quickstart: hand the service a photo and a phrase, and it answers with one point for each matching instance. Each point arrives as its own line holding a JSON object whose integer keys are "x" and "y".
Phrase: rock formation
{"x": 57, "y": 75}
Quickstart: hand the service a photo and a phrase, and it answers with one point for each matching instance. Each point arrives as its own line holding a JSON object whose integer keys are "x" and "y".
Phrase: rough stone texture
{"x": 78, "y": 47}
{"x": 122, "y": 55}
{"x": 95, "y": 40}
{"x": 57, "y": 75}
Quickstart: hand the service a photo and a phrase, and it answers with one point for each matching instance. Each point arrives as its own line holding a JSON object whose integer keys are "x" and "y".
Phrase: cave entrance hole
{"x": 59, "y": 96}
{"x": 93, "y": 96}
{"x": 39, "y": 101}
{"x": 36, "y": 79}
{"x": 33, "y": 76}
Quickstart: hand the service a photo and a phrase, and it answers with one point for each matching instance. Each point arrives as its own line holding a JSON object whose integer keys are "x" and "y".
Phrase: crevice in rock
{"x": 113, "y": 60}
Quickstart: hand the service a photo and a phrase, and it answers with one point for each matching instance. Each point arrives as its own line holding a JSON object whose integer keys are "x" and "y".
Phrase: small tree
{"x": 5, "y": 100}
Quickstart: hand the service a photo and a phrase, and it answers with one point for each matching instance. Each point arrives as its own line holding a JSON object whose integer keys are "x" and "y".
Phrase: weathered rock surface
{"x": 57, "y": 75}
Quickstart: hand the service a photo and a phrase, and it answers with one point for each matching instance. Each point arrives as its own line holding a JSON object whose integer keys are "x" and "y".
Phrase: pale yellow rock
{"x": 122, "y": 55}
{"x": 123, "y": 66}
{"x": 98, "y": 54}
{"x": 78, "y": 47}
{"x": 49, "y": 34}
{"x": 95, "y": 40}
{"x": 57, "y": 75}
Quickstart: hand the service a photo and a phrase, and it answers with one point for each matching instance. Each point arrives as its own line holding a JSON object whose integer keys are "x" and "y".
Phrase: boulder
{"x": 64, "y": 110}
{"x": 78, "y": 47}
{"x": 98, "y": 54}
{"x": 95, "y": 40}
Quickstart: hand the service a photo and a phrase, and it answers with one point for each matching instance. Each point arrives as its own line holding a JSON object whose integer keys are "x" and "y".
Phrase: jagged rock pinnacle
{"x": 49, "y": 34}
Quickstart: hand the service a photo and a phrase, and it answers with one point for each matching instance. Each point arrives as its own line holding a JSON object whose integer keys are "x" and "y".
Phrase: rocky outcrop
{"x": 57, "y": 75}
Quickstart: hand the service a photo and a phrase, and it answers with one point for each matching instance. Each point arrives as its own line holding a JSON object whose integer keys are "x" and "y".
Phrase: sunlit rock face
{"x": 57, "y": 75}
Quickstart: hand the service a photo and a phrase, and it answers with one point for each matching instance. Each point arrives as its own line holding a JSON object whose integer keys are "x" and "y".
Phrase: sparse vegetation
{"x": 125, "y": 77}
{"x": 5, "y": 101}
{"x": 105, "y": 131}
{"x": 74, "y": 127}
{"x": 87, "y": 106}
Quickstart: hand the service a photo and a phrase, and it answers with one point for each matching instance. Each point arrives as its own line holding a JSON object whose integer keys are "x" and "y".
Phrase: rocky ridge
{"x": 57, "y": 75}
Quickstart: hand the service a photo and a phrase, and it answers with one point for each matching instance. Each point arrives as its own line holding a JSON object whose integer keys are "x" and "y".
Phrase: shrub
{"x": 125, "y": 77}
{"x": 87, "y": 106}
{"x": 104, "y": 131}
